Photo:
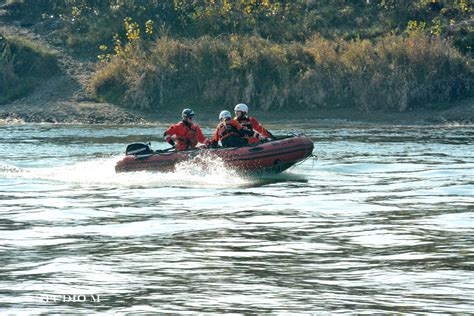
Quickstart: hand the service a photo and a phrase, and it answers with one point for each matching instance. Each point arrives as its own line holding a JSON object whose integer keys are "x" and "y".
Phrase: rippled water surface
{"x": 382, "y": 222}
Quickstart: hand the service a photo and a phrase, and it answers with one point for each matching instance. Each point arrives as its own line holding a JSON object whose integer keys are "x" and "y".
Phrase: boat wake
{"x": 202, "y": 172}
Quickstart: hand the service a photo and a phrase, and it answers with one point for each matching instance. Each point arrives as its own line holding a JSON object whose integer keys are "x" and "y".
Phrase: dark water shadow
{"x": 267, "y": 179}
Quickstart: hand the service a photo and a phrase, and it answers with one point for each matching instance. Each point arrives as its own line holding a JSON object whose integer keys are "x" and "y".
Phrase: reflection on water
{"x": 381, "y": 222}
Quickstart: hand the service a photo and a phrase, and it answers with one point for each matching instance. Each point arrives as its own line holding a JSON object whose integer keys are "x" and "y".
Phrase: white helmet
{"x": 224, "y": 114}
{"x": 241, "y": 107}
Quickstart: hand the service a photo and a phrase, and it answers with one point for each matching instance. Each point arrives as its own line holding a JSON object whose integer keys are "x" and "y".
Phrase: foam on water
{"x": 202, "y": 171}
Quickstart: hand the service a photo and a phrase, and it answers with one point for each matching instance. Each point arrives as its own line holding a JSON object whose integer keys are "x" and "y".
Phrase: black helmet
{"x": 187, "y": 113}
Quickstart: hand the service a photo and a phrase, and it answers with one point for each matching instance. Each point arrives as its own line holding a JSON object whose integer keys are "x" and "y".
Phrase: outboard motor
{"x": 138, "y": 149}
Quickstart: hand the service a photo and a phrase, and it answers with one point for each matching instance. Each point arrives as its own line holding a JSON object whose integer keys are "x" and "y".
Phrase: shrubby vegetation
{"x": 86, "y": 22}
{"x": 369, "y": 55}
{"x": 396, "y": 72}
{"x": 22, "y": 65}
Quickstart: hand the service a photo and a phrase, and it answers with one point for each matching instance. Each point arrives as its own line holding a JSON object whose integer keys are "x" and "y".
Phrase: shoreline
{"x": 86, "y": 112}
{"x": 65, "y": 99}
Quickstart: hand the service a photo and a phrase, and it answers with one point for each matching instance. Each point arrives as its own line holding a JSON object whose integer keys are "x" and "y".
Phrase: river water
{"x": 382, "y": 221}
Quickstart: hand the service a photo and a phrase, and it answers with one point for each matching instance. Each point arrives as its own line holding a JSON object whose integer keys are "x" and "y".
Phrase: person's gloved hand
{"x": 244, "y": 131}
{"x": 171, "y": 142}
{"x": 211, "y": 144}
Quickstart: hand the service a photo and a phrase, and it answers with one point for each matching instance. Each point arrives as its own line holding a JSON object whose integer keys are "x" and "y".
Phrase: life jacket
{"x": 230, "y": 134}
{"x": 226, "y": 129}
{"x": 253, "y": 125}
{"x": 245, "y": 122}
{"x": 191, "y": 136}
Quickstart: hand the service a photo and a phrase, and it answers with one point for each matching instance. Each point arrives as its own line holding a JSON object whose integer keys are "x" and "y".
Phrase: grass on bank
{"x": 393, "y": 73}
{"x": 23, "y": 64}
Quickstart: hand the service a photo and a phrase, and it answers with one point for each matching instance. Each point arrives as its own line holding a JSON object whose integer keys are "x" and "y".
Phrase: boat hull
{"x": 270, "y": 157}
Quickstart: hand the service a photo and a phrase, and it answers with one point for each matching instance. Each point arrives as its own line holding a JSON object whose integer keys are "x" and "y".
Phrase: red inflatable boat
{"x": 270, "y": 157}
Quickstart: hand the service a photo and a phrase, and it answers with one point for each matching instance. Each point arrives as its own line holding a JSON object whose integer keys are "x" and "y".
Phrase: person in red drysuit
{"x": 185, "y": 134}
{"x": 251, "y": 124}
{"x": 230, "y": 132}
